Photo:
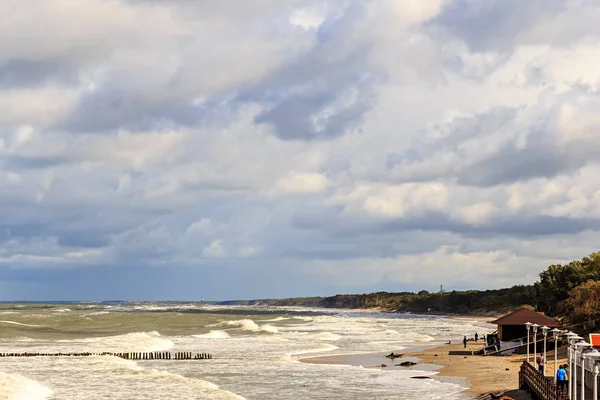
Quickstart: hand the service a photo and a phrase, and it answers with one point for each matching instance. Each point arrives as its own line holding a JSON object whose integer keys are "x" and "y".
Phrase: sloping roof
{"x": 523, "y": 315}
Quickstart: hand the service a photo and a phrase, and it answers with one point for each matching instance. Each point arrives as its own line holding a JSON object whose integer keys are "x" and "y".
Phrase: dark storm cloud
{"x": 23, "y": 73}
{"x": 294, "y": 118}
{"x": 510, "y": 165}
{"x": 488, "y": 25}
{"x": 523, "y": 225}
{"x": 328, "y": 91}
{"x": 528, "y": 143}
{"x": 20, "y": 163}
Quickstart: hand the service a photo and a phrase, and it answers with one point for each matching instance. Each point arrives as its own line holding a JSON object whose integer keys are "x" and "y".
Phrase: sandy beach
{"x": 492, "y": 374}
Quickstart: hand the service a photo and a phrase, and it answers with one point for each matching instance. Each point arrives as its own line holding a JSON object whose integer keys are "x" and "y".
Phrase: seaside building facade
{"x": 512, "y": 333}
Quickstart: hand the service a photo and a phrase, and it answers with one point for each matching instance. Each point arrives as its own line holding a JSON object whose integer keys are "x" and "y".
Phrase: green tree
{"x": 583, "y": 306}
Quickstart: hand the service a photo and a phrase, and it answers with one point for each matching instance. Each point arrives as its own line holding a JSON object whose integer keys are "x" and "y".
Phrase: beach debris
{"x": 392, "y": 355}
{"x": 383, "y": 365}
{"x": 420, "y": 377}
{"x": 406, "y": 364}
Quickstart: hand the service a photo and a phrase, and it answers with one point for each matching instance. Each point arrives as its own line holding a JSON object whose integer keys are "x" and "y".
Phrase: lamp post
{"x": 528, "y": 326}
{"x": 596, "y": 380}
{"x": 545, "y": 330}
{"x": 594, "y": 356}
{"x": 579, "y": 347}
{"x": 535, "y": 328}
{"x": 573, "y": 365}
{"x": 555, "y": 335}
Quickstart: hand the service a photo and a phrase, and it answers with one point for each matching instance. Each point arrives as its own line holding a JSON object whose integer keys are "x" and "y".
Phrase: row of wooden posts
{"x": 157, "y": 355}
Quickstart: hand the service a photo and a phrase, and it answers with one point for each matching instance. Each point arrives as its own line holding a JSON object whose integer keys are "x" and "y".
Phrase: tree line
{"x": 569, "y": 292}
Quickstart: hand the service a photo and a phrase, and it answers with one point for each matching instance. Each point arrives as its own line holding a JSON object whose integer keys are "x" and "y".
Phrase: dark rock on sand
{"x": 406, "y": 364}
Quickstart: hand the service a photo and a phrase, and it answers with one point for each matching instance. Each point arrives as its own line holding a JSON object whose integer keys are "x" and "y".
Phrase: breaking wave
{"x": 249, "y": 325}
{"x": 136, "y": 341}
{"x": 17, "y": 387}
{"x": 275, "y": 319}
{"x": 214, "y": 390}
{"x": 328, "y": 336}
{"x": 215, "y": 334}
{"x": 19, "y": 323}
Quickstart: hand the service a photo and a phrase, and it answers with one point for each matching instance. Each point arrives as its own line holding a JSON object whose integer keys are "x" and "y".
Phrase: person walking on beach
{"x": 465, "y": 342}
{"x": 540, "y": 361}
{"x": 476, "y": 336}
{"x": 561, "y": 378}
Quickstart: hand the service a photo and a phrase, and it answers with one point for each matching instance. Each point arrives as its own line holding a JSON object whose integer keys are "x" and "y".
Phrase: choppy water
{"x": 255, "y": 349}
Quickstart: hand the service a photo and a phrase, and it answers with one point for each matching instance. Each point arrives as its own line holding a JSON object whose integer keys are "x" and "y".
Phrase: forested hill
{"x": 569, "y": 292}
{"x": 456, "y": 302}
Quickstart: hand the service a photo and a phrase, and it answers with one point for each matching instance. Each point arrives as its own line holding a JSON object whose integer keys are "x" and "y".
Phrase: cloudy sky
{"x": 172, "y": 149}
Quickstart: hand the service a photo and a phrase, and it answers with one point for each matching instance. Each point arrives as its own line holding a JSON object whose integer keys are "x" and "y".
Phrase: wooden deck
{"x": 538, "y": 385}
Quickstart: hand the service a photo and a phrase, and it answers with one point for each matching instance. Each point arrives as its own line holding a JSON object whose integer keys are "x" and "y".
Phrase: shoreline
{"x": 479, "y": 375}
{"x": 463, "y": 317}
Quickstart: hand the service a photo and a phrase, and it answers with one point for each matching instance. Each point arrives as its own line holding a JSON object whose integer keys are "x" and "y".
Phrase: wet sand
{"x": 479, "y": 373}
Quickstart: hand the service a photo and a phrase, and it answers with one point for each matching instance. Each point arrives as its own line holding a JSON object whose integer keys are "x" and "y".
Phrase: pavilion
{"x": 511, "y": 327}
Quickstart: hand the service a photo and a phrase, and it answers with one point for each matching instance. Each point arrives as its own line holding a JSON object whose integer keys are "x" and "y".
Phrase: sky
{"x": 173, "y": 149}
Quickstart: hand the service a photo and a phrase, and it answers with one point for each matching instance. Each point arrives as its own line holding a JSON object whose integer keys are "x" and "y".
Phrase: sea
{"x": 256, "y": 352}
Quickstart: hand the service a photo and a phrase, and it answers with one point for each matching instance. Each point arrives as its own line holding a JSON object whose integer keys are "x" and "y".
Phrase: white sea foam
{"x": 304, "y": 318}
{"x": 214, "y": 334}
{"x": 416, "y": 337}
{"x": 113, "y": 362}
{"x": 388, "y": 332}
{"x": 249, "y": 325}
{"x": 62, "y": 310}
{"x": 214, "y": 390}
{"x": 95, "y": 313}
{"x": 136, "y": 341}
{"x": 19, "y": 323}
{"x": 328, "y": 336}
{"x": 269, "y": 328}
{"x": 245, "y": 324}
{"x": 275, "y": 319}
{"x": 17, "y": 387}
{"x": 321, "y": 349}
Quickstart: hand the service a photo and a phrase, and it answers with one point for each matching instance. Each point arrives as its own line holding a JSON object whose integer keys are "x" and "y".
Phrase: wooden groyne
{"x": 156, "y": 355}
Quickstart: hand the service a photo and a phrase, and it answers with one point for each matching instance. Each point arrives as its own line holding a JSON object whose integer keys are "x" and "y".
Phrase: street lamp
{"x": 580, "y": 345}
{"x": 535, "y": 328}
{"x": 545, "y": 330}
{"x": 528, "y": 325}
{"x": 572, "y": 338}
{"x": 594, "y": 356}
{"x": 555, "y": 335}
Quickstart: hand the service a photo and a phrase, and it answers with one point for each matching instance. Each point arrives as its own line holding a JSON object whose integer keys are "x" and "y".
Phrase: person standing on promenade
{"x": 476, "y": 336}
{"x": 561, "y": 378}
{"x": 465, "y": 342}
{"x": 541, "y": 361}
